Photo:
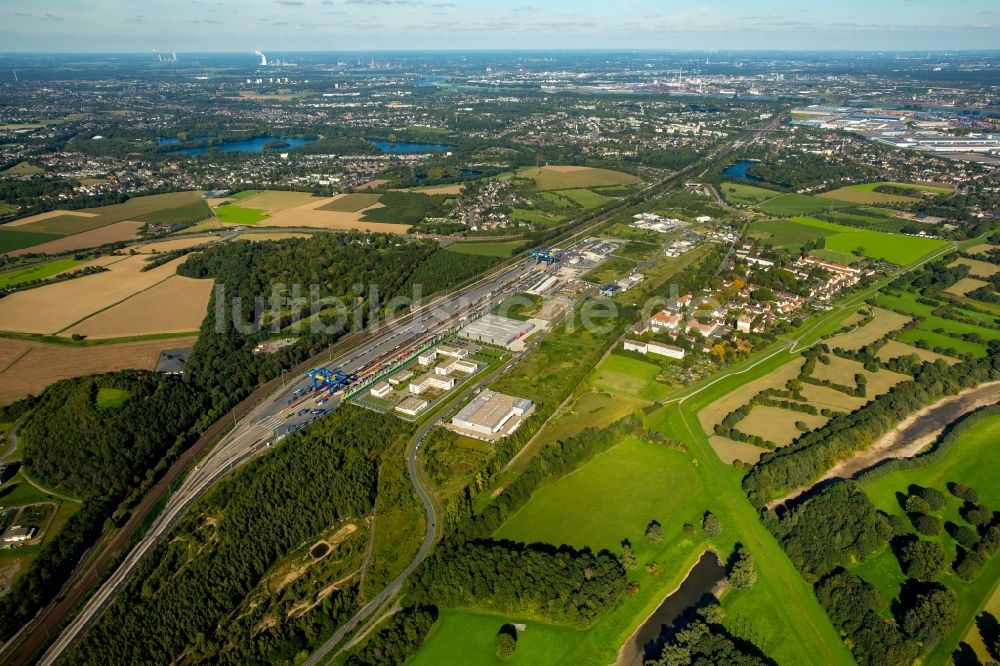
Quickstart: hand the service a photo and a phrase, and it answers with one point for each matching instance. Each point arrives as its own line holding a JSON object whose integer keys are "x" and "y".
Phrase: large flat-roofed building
{"x": 453, "y": 365}
{"x": 492, "y": 414}
{"x": 172, "y": 361}
{"x": 381, "y": 389}
{"x": 19, "y": 534}
{"x": 495, "y": 330}
{"x": 411, "y": 406}
{"x": 431, "y": 380}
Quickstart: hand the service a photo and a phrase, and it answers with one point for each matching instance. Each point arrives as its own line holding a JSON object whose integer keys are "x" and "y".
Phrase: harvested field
{"x": 372, "y": 184}
{"x": 569, "y": 177}
{"x": 111, "y": 233}
{"x": 885, "y": 322}
{"x": 171, "y": 245}
{"x": 279, "y": 235}
{"x": 729, "y": 450}
{"x": 981, "y": 249}
{"x": 275, "y": 200}
{"x": 823, "y": 397}
{"x": 324, "y": 219}
{"x": 979, "y": 269}
{"x": 713, "y": 413}
{"x": 895, "y": 349}
{"x": 964, "y": 286}
{"x": 48, "y": 215}
{"x": 145, "y": 314}
{"x": 838, "y": 371}
{"x": 38, "y": 365}
{"x": 777, "y": 425}
{"x": 351, "y": 203}
{"x": 51, "y": 308}
{"x": 211, "y": 224}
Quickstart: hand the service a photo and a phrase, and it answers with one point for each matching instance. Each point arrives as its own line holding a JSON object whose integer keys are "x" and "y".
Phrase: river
{"x": 704, "y": 578}
{"x": 911, "y": 436}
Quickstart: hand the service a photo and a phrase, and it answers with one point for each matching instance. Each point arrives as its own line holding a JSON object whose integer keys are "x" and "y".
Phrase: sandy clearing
{"x": 325, "y": 219}
{"x": 979, "y": 269}
{"x": 48, "y": 215}
{"x": 111, "y": 233}
{"x": 170, "y": 245}
{"x": 43, "y": 364}
{"x": 964, "y": 286}
{"x": 51, "y": 308}
{"x": 176, "y": 305}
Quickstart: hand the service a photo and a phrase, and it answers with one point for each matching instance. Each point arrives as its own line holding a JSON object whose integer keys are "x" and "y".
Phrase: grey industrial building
{"x": 495, "y": 330}
{"x": 489, "y": 414}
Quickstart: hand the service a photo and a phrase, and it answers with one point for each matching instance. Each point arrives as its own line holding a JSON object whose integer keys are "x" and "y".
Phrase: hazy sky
{"x": 300, "y": 25}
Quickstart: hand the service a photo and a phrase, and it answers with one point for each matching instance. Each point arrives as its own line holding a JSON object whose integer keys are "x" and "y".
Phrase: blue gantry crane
{"x": 548, "y": 256}
{"x": 333, "y": 380}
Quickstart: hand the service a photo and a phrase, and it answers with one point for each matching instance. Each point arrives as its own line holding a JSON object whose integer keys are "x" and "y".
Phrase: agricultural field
{"x": 62, "y": 231}
{"x": 778, "y": 425}
{"x": 894, "y": 248}
{"x": 859, "y": 194}
{"x": 26, "y": 367}
{"x": 571, "y": 177}
{"x": 895, "y": 349}
{"x": 273, "y": 201}
{"x": 977, "y": 269}
{"x": 938, "y": 331}
{"x": 156, "y": 247}
{"x": 497, "y": 249}
{"x": 145, "y": 314}
{"x": 964, "y": 286}
{"x": 271, "y": 236}
{"x": 630, "y": 377}
{"x": 234, "y": 214}
{"x": 842, "y": 371}
{"x": 974, "y": 460}
{"x": 785, "y": 205}
{"x": 713, "y": 413}
{"x": 351, "y": 203}
{"x": 52, "y": 308}
{"x": 883, "y": 323}
{"x": 982, "y": 248}
{"x": 38, "y": 272}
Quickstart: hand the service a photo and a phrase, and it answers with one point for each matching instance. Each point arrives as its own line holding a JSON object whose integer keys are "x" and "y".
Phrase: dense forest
{"x": 74, "y": 444}
{"x": 222, "y": 548}
{"x": 560, "y": 584}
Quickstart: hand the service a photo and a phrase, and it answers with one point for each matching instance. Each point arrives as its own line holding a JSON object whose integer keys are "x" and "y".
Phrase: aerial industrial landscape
{"x": 403, "y": 355}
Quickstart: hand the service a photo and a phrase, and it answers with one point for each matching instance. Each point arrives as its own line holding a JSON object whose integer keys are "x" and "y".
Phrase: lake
{"x": 738, "y": 170}
{"x": 238, "y": 146}
{"x": 406, "y": 147}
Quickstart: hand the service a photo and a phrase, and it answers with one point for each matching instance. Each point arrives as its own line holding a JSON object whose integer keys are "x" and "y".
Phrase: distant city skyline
{"x": 344, "y": 25}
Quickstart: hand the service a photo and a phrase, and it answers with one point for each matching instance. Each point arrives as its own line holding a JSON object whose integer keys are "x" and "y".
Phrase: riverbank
{"x": 911, "y": 436}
